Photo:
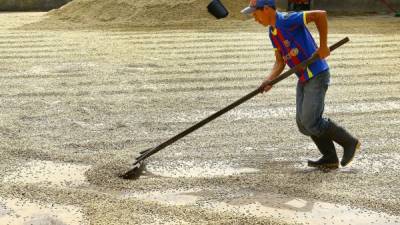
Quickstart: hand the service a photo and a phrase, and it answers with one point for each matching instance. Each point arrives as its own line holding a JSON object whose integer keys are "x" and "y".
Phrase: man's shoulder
{"x": 288, "y": 15}
{"x": 288, "y": 19}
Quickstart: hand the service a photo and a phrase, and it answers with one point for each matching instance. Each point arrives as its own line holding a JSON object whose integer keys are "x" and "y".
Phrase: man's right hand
{"x": 265, "y": 87}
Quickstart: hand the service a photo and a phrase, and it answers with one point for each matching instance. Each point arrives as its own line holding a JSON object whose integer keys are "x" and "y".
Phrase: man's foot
{"x": 349, "y": 153}
{"x": 341, "y": 136}
{"x": 324, "y": 163}
{"x": 329, "y": 159}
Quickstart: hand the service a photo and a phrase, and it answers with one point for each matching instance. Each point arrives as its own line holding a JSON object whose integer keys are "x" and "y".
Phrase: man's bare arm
{"x": 320, "y": 18}
{"x": 275, "y": 72}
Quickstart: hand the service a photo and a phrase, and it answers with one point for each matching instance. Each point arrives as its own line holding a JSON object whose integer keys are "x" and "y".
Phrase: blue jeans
{"x": 310, "y": 102}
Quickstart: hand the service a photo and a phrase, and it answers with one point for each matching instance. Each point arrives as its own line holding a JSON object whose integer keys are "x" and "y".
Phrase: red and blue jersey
{"x": 295, "y": 43}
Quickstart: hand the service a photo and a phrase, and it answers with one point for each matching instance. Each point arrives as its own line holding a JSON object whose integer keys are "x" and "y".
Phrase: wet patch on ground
{"x": 49, "y": 173}
{"x": 296, "y": 210}
{"x": 169, "y": 197}
{"x": 22, "y": 212}
{"x": 268, "y": 205}
{"x": 180, "y": 168}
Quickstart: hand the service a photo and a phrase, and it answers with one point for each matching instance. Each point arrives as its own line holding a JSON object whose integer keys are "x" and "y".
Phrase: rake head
{"x": 135, "y": 172}
{"x": 138, "y": 166}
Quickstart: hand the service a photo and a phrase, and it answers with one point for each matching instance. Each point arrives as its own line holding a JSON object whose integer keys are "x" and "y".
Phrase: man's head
{"x": 263, "y": 11}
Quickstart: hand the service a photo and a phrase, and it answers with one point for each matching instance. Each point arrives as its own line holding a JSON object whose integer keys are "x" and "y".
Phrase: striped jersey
{"x": 295, "y": 43}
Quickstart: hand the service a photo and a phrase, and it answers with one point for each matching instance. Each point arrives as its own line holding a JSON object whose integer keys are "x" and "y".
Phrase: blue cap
{"x": 256, "y": 4}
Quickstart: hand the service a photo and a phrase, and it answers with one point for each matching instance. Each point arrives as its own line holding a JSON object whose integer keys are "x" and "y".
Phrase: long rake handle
{"x": 147, "y": 153}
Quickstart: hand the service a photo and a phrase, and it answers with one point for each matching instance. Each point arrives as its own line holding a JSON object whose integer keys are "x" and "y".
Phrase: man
{"x": 293, "y": 43}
